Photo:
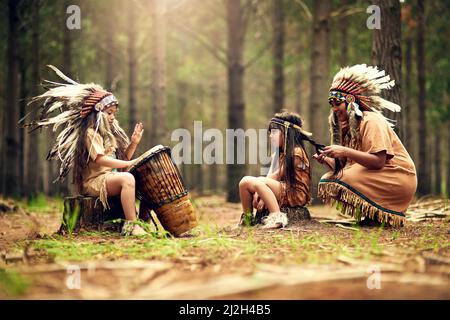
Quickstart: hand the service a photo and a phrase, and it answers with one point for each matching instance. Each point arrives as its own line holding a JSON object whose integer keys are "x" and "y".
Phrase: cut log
{"x": 88, "y": 214}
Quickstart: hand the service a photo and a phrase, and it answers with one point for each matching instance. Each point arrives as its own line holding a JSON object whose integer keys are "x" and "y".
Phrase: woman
{"x": 372, "y": 176}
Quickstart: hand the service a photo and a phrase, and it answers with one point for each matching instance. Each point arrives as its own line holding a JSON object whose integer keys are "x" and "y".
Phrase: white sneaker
{"x": 275, "y": 220}
{"x": 130, "y": 228}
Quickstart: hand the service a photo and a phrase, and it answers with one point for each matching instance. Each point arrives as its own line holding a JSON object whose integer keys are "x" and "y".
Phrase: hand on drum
{"x": 137, "y": 133}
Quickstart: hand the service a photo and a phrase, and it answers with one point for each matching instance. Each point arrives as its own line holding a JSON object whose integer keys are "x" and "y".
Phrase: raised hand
{"x": 137, "y": 133}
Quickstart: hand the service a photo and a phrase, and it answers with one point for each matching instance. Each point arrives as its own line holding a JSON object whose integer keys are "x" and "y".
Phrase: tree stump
{"x": 84, "y": 213}
{"x": 294, "y": 214}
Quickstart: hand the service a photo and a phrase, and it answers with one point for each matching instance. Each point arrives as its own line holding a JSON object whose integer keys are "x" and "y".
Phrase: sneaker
{"x": 130, "y": 228}
{"x": 275, "y": 220}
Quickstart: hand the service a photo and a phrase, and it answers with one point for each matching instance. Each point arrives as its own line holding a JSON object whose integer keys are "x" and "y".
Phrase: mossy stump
{"x": 88, "y": 214}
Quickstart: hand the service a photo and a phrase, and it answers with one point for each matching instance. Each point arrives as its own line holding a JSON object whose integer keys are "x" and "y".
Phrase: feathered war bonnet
{"x": 68, "y": 105}
{"x": 359, "y": 86}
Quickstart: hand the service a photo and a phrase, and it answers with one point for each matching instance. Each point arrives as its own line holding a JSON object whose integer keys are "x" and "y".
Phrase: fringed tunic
{"x": 382, "y": 195}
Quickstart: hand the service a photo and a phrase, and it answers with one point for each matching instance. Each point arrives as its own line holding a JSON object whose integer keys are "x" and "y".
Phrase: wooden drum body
{"x": 160, "y": 186}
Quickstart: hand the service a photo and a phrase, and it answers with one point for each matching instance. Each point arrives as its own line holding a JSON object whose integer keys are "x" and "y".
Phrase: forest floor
{"x": 308, "y": 260}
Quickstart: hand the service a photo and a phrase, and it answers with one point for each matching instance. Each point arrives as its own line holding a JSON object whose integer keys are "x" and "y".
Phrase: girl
{"x": 91, "y": 143}
{"x": 372, "y": 175}
{"x": 288, "y": 181}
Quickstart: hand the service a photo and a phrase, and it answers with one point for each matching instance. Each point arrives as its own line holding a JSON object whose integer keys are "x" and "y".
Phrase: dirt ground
{"x": 310, "y": 259}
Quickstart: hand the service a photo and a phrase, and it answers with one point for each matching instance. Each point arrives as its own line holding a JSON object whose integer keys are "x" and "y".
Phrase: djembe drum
{"x": 160, "y": 187}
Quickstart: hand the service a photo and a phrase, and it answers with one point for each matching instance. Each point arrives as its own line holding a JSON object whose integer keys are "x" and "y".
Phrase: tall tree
{"x": 319, "y": 73}
{"x": 236, "y": 104}
{"x": 237, "y": 17}
{"x": 437, "y": 162}
{"x": 343, "y": 25}
{"x": 386, "y": 50}
{"x": 213, "y": 172}
{"x": 132, "y": 66}
{"x": 407, "y": 105}
{"x": 66, "y": 185}
{"x": 423, "y": 174}
{"x": 10, "y": 185}
{"x": 278, "y": 55}
{"x": 158, "y": 72}
{"x": 32, "y": 183}
{"x": 298, "y": 78}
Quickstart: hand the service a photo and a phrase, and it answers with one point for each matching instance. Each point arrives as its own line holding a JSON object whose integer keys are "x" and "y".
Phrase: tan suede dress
{"x": 94, "y": 175}
{"x": 384, "y": 194}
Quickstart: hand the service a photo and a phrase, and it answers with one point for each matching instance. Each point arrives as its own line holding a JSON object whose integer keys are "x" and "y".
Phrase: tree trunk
{"x": 298, "y": 78}
{"x": 423, "y": 175}
{"x": 407, "y": 105}
{"x": 319, "y": 72}
{"x": 236, "y": 105}
{"x": 278, "y": 55}
{"x": 66, "y": 185}
{"x": 437, "y": 163}
{"x": 215, "y": 102}
{"x": 159, "y": 72}
{"x": 343, "y": 31}
{"x": 109, "y": 58}
{"x": 11, "y": 151}
{"x": 182, "y": 88}
{"x": 198, "y": 140}
{"x": 23, "y": 139}
{"x": 132, "y": 65}
{"x": 387, "y": 52}
{"x": 32, "y": 181}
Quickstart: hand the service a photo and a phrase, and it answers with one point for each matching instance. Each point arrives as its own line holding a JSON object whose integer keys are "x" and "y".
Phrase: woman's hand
{"x": 320, "y": 158}
{"x": 335, "y": 151}
{"x": 137, "y": 133}
{"x": 323, "y": 159}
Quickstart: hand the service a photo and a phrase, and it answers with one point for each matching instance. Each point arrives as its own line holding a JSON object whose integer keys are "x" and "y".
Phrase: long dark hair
{"x": 294, "y": 138}
{"x": 81, "y": 153}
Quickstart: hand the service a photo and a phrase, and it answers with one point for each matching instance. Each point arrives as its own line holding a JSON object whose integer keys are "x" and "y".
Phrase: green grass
{"x": 42, "y": 204}
{"x": 211, "y": 243}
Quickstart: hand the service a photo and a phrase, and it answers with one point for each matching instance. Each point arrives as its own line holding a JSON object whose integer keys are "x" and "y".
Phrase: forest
{"x": 229, "y": 65}
{"x": 205, "y": 78}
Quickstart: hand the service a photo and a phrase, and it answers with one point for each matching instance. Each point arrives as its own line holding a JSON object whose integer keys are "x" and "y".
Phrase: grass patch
{"x": 42, "y": 204}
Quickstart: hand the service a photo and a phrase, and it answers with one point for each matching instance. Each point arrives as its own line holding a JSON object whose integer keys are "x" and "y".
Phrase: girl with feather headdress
{"x": 372, "y": 176}
{"x": 91, "y": 142}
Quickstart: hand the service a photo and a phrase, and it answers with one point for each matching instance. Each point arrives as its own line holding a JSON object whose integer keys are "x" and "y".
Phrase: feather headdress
{"x": 67, "y": 105}
{"x": 360, "y": 87}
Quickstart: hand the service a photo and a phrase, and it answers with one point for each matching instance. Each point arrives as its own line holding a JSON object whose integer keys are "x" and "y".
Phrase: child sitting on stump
{"x": 288, "y": 181}
{"x": 91, "y": 142}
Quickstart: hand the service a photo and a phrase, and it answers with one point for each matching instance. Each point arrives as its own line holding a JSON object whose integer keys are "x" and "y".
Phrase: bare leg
{"x": 246, "y": 192}
{"x": 123, "y": 184}
{"x": 267, "y": 189}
